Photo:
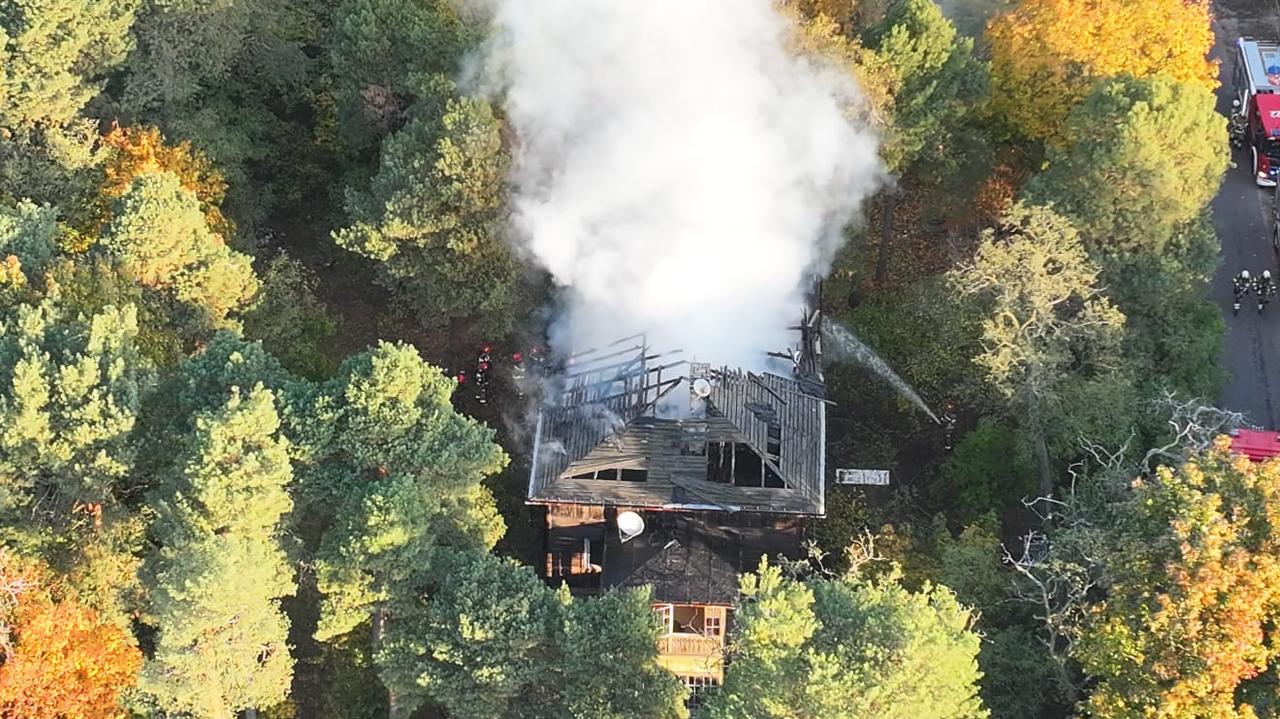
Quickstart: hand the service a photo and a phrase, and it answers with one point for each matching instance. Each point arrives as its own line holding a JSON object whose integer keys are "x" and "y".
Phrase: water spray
{"x": 846, "y": 345}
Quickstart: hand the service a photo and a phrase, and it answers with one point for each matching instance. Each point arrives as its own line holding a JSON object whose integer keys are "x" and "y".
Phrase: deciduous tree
{"x": 1047, "y": 323}
{"x": 61, "y": 658}
{"x": 134, "y": 151}
{"x": 1046, "y": 55}
{"x": 1193, "y": 593}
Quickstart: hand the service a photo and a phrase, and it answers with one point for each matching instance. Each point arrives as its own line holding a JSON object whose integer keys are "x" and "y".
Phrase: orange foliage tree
{"x": 60, "y": 659}
{"x": 136, "y": 150}
{"x": 1194, "y": 592}
{"x": 1047, "y": 54}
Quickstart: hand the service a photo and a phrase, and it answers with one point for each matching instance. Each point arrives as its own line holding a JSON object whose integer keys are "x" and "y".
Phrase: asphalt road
{"x": 1242, "y": 210}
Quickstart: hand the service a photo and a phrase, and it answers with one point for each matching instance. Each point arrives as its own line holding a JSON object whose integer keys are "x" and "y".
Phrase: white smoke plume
{"x": 678, "y": 171}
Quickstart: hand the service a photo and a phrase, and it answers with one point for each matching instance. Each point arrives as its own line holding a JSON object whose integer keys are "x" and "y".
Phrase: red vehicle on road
{"x": 1257, "y": 445}
{"x": 1255, "y": 115}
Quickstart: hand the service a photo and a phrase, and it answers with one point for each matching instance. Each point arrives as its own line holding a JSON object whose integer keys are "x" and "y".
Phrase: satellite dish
{"x": 630, "y": 525}
{"x": 702, "y": 387}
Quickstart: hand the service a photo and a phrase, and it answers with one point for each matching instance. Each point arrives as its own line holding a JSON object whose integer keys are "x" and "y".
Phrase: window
{"x": 748, "y": 469}
{"x": 720, "y": 462}
{"x": 737, "y": 464}
{"x": 773, "y": 442}
{"x": 665, "y": 613}
{"x": 712, "y": 626}
{"x": 699, "y": 687}
{"x": 615, "y": 474}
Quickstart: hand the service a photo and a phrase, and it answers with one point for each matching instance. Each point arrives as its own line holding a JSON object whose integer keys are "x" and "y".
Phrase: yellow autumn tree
{"x": 137, "y": 150}
{"x": 58, "y": 658}
{"x": 1047, "y": 54}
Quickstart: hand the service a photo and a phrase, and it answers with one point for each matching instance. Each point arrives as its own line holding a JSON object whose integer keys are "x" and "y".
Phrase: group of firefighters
{"x": 1262, "y": 286}
{"x": 520, "y": 370}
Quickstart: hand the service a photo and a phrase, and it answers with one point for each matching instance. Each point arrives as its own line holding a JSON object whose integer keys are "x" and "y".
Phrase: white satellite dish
{"x": 630, "y": 525}
{"x": 702, "y": 387}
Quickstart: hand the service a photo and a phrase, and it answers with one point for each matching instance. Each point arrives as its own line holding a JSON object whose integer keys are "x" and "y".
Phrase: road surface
{"x": 1242, "y": 210}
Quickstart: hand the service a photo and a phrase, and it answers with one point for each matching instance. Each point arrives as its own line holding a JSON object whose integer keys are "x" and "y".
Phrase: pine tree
{"x": 484, "y": 637}
{"x": 1113, "y": 177}
{"x": 399, "y": 472}
{"x": 433, "y": 213}
{"x": 159, "y": 236}
{"x": 69, "y": 399}
{"x": 55, "y": 53}
{"x": 937, "y": 83}
{"x": 219, "y": 573}
{"x": 849, "y": 647}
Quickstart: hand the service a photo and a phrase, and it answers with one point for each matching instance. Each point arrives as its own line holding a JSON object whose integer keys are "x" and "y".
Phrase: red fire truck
{"x": 1257, "y": 445}
{"x": 1255, "y": 116}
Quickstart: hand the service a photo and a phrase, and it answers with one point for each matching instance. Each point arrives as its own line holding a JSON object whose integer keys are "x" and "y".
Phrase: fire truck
{"x": 1257, "y": 445}
{"x": 1255, "y": 116}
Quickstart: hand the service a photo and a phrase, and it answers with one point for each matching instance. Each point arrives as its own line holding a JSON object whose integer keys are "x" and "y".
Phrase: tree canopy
{"x": 1139, "y": 157}
{"x": 1046, "y": 55}
{"x": 58, "y": 658}
{"x": 1193, "y": 591}
{"x": 487, "y": 638}
{"x": 219, "y": 572}
{"x": 56, "y": 54}
{"x": 849, "y": 648}
{"x": 1046, "y": 316}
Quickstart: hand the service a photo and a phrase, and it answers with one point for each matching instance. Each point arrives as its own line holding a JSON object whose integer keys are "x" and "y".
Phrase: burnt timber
{"x": 630, "y": 428}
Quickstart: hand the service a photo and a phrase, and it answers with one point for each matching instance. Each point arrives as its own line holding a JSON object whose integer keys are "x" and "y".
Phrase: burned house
{"x": 657, "y": 471}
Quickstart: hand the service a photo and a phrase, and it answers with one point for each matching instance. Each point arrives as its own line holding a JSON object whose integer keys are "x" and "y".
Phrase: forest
{"x": 248, "y": 247}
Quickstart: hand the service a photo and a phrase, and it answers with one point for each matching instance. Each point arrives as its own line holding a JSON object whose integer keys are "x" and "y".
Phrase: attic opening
{"x": 615, "y": 474}
{"x": 737, "y": 464}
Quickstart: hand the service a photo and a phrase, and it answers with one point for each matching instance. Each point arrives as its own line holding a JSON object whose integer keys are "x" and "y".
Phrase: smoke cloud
{"x": 678, "y": 171}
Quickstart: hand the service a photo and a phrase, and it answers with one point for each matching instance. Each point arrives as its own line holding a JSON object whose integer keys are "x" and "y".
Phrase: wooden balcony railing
{"x": 689, "y": 645}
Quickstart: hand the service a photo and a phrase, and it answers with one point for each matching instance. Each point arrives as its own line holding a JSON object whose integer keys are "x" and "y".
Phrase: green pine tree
{"x": 219, "y": 572}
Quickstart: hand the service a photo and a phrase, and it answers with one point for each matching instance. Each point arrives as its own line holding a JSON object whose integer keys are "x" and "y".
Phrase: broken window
{"x": 748, "y": 469}
{"x": 720, "y": 462}
{"x": 737, "y": 464}
{"x": 773, "y": 442}
{"x": 614, "y": 473}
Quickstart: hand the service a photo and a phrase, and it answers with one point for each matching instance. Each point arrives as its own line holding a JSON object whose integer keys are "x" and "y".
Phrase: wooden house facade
{"x": 721, "y": 465}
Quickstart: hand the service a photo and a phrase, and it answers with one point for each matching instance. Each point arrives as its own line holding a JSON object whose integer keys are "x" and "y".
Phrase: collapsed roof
{"x": 626, "y": 429}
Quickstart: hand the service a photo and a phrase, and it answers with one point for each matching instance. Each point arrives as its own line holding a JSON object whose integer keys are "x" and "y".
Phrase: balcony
{"x": 691, "y": 655}
{"x": 689, "y": 645}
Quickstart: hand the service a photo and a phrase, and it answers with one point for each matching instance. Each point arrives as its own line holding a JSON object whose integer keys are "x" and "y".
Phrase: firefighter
{"x": 948, "y": 422}
{"x": 481, "y": 378}
{"x": 519, "y": 372}
{"x": 1240, "y": 286}
{"x": 1264, "y": 288}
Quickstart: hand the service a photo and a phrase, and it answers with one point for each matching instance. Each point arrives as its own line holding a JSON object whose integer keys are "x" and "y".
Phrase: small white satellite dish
{"x": 630, "y": 525}
{"x": 702, "y": 387}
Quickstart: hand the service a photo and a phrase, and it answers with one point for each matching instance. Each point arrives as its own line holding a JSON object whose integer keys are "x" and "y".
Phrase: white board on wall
{"x": 877, "y": 477}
